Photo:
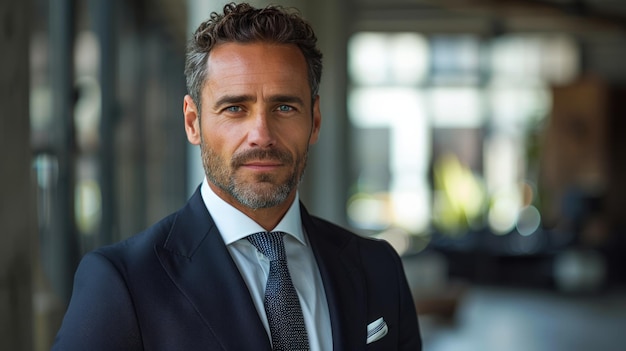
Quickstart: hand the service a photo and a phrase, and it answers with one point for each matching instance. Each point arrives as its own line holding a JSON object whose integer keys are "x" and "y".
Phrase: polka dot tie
{"x": 282, "y": 306}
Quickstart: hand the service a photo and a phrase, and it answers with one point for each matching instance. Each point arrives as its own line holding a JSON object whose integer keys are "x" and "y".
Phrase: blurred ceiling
{"x": 584, "y": 17}
{"x": 577, "y": 16}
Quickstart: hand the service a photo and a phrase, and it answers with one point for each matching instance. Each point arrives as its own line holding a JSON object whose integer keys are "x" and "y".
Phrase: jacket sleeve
{"x": 101, "y": 313}
{"x": 409, "y": 338}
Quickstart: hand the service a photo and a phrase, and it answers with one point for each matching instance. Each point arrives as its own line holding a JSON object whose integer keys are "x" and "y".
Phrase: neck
{"x": 268, "y": 218}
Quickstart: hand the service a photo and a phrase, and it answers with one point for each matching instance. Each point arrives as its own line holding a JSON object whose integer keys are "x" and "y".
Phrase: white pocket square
{"x": 376, "y": 330}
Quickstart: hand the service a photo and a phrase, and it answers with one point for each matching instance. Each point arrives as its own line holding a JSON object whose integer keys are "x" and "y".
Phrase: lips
{"x": 262, "y": 164}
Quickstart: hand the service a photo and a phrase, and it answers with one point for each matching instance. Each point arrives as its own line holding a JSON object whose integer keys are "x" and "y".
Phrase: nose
{"x": 261, "y": 133}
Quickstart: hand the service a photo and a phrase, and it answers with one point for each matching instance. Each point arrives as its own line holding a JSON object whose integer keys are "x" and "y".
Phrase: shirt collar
{"x": 235, "y": 225}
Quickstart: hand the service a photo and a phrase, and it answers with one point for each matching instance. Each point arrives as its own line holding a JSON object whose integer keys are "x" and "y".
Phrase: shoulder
{"x": 156, "y": 234}
{"x": 191, "y": 217}
{"x": 370, "y": 248}
{"x": 135, "y": 251}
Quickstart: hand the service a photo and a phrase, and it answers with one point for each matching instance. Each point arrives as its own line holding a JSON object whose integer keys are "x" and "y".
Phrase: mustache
{"x": 241, "y": 158}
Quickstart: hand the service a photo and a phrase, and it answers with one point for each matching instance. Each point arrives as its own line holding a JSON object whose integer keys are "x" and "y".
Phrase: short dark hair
{"x": 243, "y": 23}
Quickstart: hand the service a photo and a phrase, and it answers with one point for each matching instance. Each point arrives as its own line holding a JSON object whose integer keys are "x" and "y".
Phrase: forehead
{"x": 258, "y": 63}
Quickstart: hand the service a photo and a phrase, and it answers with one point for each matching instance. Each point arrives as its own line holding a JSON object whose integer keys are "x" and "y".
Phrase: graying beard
{"x": 250, "y": 199}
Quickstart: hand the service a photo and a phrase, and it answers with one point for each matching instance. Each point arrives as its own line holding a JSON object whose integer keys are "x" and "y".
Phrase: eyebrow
{"x": 286, "y": 99}
{"x": 232, "y": 99}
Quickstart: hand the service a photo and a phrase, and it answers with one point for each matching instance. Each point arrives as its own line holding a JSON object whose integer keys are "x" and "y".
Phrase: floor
{"x": 505, "y": 319}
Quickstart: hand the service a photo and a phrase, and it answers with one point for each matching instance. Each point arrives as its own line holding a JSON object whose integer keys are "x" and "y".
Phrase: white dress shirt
{"x": 235, "y": 226}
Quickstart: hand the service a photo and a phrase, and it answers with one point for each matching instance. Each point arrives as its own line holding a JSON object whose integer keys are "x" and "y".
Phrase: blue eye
{"x": 285, "y": 108}
{"x": 233, "y": 109}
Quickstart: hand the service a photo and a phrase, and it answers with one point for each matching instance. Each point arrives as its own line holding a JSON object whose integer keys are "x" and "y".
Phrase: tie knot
{"x": 269, "y": 244}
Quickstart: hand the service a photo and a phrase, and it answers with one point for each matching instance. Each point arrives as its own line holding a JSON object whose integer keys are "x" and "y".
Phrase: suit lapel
{"x": 197, "y": 260}
{"x": 344, "y": 283}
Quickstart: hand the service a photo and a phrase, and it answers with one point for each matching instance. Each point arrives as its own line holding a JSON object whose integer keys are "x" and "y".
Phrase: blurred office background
{"x": 483, "y": 139}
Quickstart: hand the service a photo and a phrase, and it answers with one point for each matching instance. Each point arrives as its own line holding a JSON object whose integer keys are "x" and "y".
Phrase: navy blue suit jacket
{"x": 175, "y": 287}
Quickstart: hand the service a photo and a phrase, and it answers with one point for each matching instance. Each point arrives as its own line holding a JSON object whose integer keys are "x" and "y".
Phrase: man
{"x": 211, "y": 276}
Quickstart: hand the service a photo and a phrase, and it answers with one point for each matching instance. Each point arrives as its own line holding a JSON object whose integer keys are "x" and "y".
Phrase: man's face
{"x": 256, "y": 124}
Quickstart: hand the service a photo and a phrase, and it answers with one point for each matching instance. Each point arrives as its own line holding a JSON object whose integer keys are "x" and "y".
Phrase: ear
{"x": 317, "y": 121}
{"x": 192, "y": 120}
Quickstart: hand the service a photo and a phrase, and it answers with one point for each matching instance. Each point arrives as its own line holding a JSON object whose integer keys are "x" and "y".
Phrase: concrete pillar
{"x": 325, "y": 184}
{"x": 17, "y": 205}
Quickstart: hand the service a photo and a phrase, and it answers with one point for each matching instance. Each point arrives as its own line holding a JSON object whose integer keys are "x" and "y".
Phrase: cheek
{"x": 220, "y": 140}
{"x": 299, "y": 146}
